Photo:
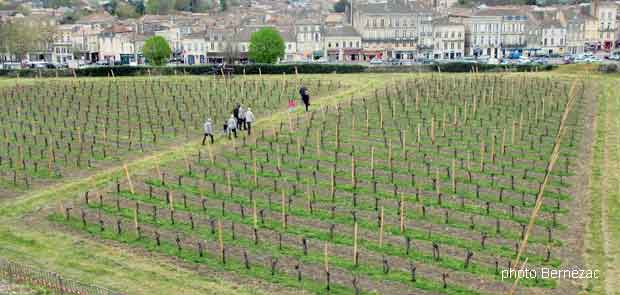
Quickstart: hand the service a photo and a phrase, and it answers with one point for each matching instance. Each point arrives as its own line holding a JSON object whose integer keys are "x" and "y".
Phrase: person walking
{"x": 231, "y": 126}
{"x": 305, "y": 96}
{"x": 249, "y": 118}
{"x": 235, "y": 111}
{"x": 241, "y": 118}
{"x": 291, "y": 105}
{"x": 208, "y": 128}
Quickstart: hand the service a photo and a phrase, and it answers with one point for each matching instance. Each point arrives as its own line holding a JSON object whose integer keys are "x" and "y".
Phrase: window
{"x": 374, "y": 23}
{"x": 350, "y": 43}
{"x": 337, "y": 45}
{"x": 357, "y": 44}
{"x": 290, "y": 47}
{"x": 382, "y": 23}
{"x": 329, "y": 44}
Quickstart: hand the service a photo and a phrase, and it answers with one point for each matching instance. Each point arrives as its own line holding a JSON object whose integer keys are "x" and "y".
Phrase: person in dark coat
{"x": 305, "y": 96}
{"x": 235, "y": 111}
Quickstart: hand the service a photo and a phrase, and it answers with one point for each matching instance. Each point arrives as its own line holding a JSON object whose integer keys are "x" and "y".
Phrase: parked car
{"x": 614, "y": 56}
{"x": 539, "y": 61}
{"x": 492, "y": 61}
{"x": 11, "y": 66}
{"x": 524, "y": 60}
{"x": 376, "y": 61}
{"x": 468, "y": 60}
{"x": 425, "y": 61}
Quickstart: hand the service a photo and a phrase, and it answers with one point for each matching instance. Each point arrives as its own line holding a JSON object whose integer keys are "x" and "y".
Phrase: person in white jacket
{"x": 231, "y": 126}
{"x": 208, "y": 128}
{"x": 249, "y": 118}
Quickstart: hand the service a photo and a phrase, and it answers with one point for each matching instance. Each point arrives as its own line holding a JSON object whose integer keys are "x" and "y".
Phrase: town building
{"x": 342, "y": 43}
{"x": 389, "y": 28}
{"x": 448, "y": 39}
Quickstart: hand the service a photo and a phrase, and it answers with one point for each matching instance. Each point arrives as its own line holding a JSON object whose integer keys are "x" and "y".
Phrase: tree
{"x": 156, "y": 50}
{"x": 341, "y": 6}
{"x": 183, "y": 5}
{"x": 266, "y": 45}
{"x": 20, "y": 36}
{"x": 124, "y": 11}
{"x": 223, "y": 5}
{"x": 159, "y": 6}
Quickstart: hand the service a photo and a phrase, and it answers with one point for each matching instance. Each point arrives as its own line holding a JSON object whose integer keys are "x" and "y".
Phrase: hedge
{"x": 267, "y": 69}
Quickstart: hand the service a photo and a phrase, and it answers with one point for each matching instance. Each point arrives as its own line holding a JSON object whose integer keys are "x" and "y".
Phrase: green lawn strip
{"x": 613, "y": 201}
{"x": 595, "y": 251}
{"x": 94, "y": 263}
{"x": 208, "y": 259}
{"x": 432, "y": 202}
{"x": 414, "y": 234}
{"x": 606, "y": 138}
{"x": 313, "y": 257}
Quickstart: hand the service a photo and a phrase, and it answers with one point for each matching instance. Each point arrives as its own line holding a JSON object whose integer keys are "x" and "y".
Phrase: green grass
{"x": 604, "y": 194}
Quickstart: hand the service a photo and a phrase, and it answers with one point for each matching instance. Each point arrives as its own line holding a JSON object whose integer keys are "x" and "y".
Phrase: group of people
{"x": 242, "y": 118}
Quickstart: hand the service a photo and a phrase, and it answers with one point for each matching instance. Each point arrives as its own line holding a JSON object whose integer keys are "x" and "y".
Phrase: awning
{"x": 346, "y": 51}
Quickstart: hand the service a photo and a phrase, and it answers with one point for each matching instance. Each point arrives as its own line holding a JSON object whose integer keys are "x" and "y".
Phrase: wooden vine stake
{"x": 254, "y": 215}
{"x": 333, "y": 182}
{"x": 482, "y": 155}
{"x": 283, "y": 210}
{"x": 128, "y": 178}
{"x": 381, "y": 229}
{"x": 503, "y": 151}
{"x": 402, "y": 213}
{"x": 210, "y": 149}
{"x": 433, "y": 130}
{"x": 221, "y": 241}
{"x": 255, "y": 171}
{"x": 171, "y": 202}
{"x": 355, "y": 243}
{"x": 453, "y": 174}
{"x": 493, "y": 148}
{"x": 50, "y": 158}
{"x": 326, "y": 257}
{"x": 419, "y": 135}
{"x": 229, "y": 181}
{"x": 372, "y": 158}
{"x": 135, "y": 220}
{"x": 161, "y": 176}
{"x": 318, "y": 144}
{"x": 367, "y": 123}
{"x": 353, "y": 180}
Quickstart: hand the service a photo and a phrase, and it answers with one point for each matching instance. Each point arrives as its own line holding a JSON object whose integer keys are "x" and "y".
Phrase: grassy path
{"x": 24, "y": 237}
{"x": 603, "y": 235}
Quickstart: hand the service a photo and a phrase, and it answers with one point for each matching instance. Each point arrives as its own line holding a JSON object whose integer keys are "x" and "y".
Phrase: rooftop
{"x": 341, "y": 31}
